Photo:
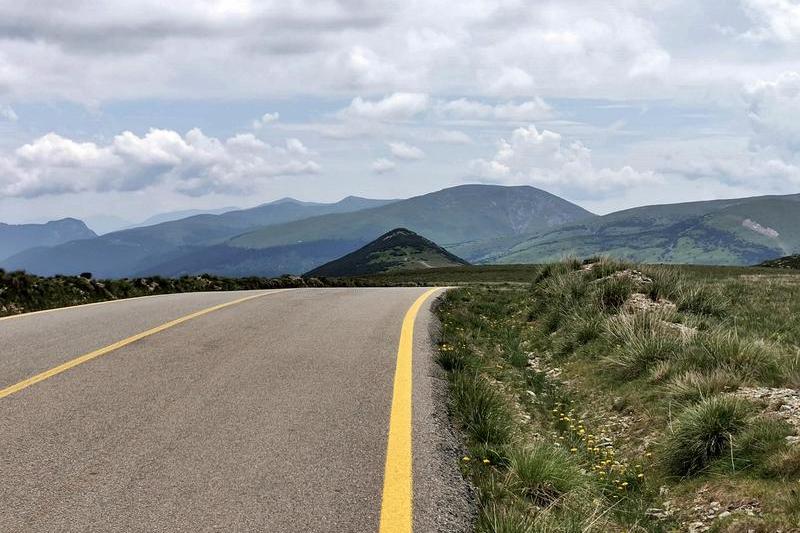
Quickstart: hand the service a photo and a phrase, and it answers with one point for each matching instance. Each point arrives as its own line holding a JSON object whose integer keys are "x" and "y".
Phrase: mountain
{"x": 450, "y": 217}
{"x": 722, "y": 232}
{"x": 178, "y": 215}
{"x": 19, "y": 237}
{"x": 399, "y": 249}
{"x": 790, "y": 261}
{"x": 127, "y": 252}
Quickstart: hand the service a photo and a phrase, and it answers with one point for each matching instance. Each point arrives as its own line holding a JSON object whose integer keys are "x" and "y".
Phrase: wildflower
{"x": 465, "y": 459}
{"x": 640, "y": 476}
{"x": 486, "y": 461}
{"x": 573, "y": 450}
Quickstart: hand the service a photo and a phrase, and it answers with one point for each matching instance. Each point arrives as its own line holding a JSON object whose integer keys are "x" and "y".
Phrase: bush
{"x": 543, "y": 473}
{"x": 703, "y": 433}
{"x": 480, "y": 409}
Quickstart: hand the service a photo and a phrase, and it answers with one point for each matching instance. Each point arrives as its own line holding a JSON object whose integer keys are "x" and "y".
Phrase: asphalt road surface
{"x": 268, "y": 414}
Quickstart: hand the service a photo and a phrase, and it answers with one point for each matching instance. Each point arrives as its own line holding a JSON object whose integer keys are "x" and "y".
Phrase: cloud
{"x": 774, "y": 112}
{"x": 448, "y": 137}
{"x": 7, "y": 113}
{"x": 192, "y": 164}
{"x": 266, "y": 118}
{"x": 775, "y": 20}
{"x": 398, "y": 106}
{"x": 543, "y": 158}
{"x": 401, "y": 150}
{"x": 467, "y": 109}
{"x": 383, "y": 165}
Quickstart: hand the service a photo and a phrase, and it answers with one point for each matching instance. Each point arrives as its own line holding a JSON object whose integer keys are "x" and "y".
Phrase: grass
{"x": 581, "y": 413}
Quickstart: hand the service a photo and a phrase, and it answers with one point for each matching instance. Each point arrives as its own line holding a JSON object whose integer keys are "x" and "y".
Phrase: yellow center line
{"x": 120, "y": 344}
{"x": 396, "y": 505}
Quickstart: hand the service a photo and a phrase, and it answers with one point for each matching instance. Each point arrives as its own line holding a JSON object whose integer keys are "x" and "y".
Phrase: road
{"x": 239, "y": 411}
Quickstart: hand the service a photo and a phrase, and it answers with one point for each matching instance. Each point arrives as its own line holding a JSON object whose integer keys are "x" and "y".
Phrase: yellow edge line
{"x": 396, "y": 504}
{"x": 120, "y": 344}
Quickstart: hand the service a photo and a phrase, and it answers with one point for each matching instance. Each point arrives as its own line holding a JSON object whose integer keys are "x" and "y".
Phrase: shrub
{"x": 702, "y": 433}
{"x": 481, "y": 409}
{"x": 544, "y": 473}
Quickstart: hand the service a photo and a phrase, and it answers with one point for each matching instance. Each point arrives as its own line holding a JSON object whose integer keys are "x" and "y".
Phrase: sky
{"x": 114, "y": 111}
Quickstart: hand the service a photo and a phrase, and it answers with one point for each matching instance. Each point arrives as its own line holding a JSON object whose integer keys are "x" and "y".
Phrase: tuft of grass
{"x": 703, "y": 433}
{"x": 641, "y": 341}
{"x": 693, "y": 386}
{"x": 762, "y": 438}
{"x": 481, "y": 409}
{"x": 496, "y": 518}
{"x": 751, "y": 360}
{"x": 544, "y": 473}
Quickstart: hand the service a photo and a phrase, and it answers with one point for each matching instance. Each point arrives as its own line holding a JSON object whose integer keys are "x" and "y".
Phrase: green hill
{"x": 399, "y": 249}
{"x": 721, "y": 232}
{"x": 15, "y": 238}
{"x": 790, "y": 261}
{"x": 128, "y": 252}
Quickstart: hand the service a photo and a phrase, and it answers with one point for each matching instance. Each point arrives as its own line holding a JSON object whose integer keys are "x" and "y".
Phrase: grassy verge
{"x": 613, "y": 397}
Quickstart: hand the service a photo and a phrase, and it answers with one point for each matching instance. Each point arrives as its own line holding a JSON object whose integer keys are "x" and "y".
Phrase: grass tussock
{"x": 703, "y": 433}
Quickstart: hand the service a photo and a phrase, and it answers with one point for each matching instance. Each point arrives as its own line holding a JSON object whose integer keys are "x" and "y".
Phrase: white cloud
{"x": 774, "y": 112}
{"x": 545, "y": 159}
{"x": 383, "y": 165}
{"x": 398, "y": 106}
{"x": 401, "y": 150}
{"x": 266, "y": 118}
{"x": 7, "y": 113}
{"x": 193, "y": 164}
{"x": 776, "y": 20}
{"x": 448, "y": 137}
{"x": 466, "y": 109}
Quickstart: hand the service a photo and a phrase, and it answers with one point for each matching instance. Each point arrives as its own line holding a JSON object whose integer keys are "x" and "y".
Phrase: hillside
{"x": 125, "y": 253}
{"x": 790, "y": 261}
{"x": 15, "y": 238}
{"x": 448, "y": 217}
{"x": 721, "y": 232}
{"x": 399, "y": 249}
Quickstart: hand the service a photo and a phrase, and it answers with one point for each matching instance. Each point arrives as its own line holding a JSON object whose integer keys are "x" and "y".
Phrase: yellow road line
{"x": 396, "y": 505}
{"x": 120, "y": 344}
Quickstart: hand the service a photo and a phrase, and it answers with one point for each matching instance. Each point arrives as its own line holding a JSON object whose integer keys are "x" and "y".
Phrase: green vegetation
{"x": 399, "y": 249}
{"x": 790, "y": 261}
{"x": 605, "y": 396}
{"x": 745, "y": 231}
{"x": 23, "y": 293}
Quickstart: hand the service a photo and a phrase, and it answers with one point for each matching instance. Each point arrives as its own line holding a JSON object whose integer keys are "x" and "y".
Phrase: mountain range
{"x": 480, "y": 223}
{"x": 17, "y": 237}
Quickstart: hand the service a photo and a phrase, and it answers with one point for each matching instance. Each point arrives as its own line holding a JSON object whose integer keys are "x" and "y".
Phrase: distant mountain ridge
{"x": 127, "y": 252}
{"x": 741, "y": 231}
{"x": 398, "y": 249}
{"x": 15, "y": 238}
{"x": 453, "y": 215}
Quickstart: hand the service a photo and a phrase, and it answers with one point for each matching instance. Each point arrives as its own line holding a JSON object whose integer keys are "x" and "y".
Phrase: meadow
{"x": 605, "y": 396}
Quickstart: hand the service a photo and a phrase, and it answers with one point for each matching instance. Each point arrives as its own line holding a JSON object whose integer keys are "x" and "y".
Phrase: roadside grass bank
{"x": 605, "y": 396}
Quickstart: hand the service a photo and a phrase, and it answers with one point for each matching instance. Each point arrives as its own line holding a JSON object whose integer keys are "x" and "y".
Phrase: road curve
{"x": 270, "y": 414}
